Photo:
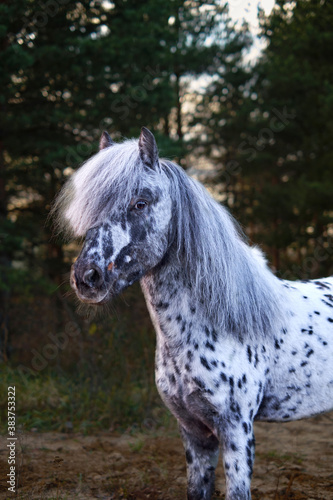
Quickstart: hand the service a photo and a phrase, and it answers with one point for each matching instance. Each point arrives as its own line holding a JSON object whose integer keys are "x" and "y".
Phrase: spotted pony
{"x": 234, "y": 343}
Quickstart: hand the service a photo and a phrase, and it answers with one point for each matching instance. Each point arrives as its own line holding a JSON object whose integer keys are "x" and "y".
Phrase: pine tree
{"x": 279, "y": 142}
{"x": 295, "y": 104}
{"x": 13, "y": 59}
{"x": 223, "y": 106}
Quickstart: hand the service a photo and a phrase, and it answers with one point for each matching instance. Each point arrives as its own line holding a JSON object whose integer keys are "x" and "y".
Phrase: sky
{"x": 248, "y": 10}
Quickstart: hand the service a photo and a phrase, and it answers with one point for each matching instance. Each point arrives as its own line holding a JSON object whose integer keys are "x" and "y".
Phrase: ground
{"x": 293, "y": 461}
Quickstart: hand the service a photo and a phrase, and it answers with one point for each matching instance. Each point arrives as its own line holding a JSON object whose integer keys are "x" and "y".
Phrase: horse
{"x": 235, "y": 343}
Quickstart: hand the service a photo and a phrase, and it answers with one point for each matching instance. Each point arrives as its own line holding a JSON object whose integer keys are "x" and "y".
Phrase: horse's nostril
{"x": 92, "y": 277}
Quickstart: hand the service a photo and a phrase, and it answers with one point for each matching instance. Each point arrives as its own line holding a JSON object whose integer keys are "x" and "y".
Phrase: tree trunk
{"x": 4, "y": 263}
{"x": 276, "y": 250}
{"x": 179, "y": 107}
{"x": 166, "y": 126}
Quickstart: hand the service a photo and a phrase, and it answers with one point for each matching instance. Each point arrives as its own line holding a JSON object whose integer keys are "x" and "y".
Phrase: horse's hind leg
{"x": 201, "y": 458}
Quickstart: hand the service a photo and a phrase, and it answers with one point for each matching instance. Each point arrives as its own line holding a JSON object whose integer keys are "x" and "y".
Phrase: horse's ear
{"x": 105, "y": 141}
{"x": 148, "y": 148}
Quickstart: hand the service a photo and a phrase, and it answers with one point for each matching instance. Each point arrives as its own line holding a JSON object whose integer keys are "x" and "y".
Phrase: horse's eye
{"x": 140, "y": 205}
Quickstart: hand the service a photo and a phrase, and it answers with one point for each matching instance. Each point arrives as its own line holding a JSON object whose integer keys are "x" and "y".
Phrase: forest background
{"x": 258, "y": 133}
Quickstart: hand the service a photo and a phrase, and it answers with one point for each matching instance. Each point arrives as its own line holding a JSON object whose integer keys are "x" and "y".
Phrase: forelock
{"x": 110, "y": 177}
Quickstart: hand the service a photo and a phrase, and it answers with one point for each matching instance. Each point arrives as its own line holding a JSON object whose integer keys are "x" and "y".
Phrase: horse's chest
{"x": 188, "y": 397}
{"x": 207, "y": 376}
{"x": 171, "y": 375}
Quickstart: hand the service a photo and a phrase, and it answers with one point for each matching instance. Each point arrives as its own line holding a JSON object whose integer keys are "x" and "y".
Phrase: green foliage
{"x": 222, "y": 109}
{"x": 100, "y": 392}
{"x": 49, "y": 401}
{"x": 76, "y": 371}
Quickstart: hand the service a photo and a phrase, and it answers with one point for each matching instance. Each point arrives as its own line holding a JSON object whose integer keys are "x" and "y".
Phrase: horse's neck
{"x": 173, "y": 299}
{"x": 167, "y": 283}
{"x": 169, "y": 297}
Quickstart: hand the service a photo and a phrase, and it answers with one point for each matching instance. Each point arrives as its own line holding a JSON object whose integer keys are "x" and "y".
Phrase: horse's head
{"x": 120, "y": 201}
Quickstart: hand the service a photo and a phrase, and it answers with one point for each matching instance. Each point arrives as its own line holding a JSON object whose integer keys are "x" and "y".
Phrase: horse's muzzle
{"x": 88, "y": 283}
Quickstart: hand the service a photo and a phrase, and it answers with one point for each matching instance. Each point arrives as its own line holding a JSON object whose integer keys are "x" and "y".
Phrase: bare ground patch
{"x": 293, "y": 461}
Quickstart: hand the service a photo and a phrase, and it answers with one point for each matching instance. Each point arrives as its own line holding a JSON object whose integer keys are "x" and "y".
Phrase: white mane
{"x": 231, "y": 278}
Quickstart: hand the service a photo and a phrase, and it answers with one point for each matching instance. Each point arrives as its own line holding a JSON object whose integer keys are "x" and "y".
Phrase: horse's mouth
{"x": 97, "y": 301}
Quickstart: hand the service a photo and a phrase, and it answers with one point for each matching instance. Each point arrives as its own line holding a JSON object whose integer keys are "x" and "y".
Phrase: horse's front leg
{"x": 238, "y": 444}
{"x": 201, "y": 457}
